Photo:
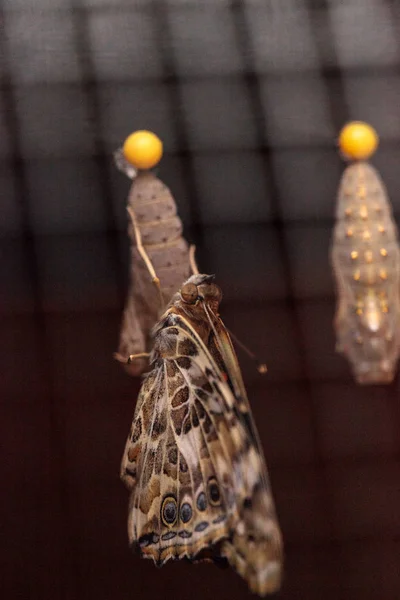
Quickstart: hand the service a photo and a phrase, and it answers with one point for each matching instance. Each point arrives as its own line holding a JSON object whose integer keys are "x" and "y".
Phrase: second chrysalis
{"x": 366, "y": 262}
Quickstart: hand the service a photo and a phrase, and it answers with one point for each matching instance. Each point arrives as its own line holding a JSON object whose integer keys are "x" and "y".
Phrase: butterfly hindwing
{"x": 178, "y": 457}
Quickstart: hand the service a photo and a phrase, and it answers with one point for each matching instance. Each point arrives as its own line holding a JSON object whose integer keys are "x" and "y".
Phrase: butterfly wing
{"x": 255, "y": 549}
{"x": 194, "y": 471}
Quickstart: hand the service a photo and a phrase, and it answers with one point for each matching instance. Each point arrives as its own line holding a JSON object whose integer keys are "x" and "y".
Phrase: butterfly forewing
{"x": 197, "y": 477}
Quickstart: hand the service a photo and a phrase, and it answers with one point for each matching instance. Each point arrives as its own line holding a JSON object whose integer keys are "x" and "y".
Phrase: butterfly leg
{"x": 144, "y": 254}
{"x": 131, "y": 357}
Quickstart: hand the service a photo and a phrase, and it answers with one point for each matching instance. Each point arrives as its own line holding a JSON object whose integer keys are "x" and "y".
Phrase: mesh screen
{"x": 247, "y": 96}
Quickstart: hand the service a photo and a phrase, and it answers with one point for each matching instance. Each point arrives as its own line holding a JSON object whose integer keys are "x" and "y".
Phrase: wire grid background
{"x": 248, "y": 97}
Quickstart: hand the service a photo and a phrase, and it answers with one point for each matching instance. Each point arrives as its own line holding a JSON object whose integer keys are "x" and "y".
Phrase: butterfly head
{"x": 199, "y": 290}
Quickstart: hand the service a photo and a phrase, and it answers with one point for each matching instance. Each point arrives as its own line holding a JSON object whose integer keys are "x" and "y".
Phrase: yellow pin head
{"x": 143, "y": 149}
{"x": 358, "y": 140}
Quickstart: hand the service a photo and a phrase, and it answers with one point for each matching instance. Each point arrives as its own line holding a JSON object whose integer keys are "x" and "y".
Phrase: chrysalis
{"x": 157, "y": 244}
{"x": 366, "y": 261}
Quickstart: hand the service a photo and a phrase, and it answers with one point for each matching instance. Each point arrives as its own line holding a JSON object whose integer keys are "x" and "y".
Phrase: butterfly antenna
{"x": 261, "y": 367}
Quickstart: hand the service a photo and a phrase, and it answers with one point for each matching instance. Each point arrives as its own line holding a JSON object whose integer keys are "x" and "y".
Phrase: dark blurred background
{"x": 248, "y": 97}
